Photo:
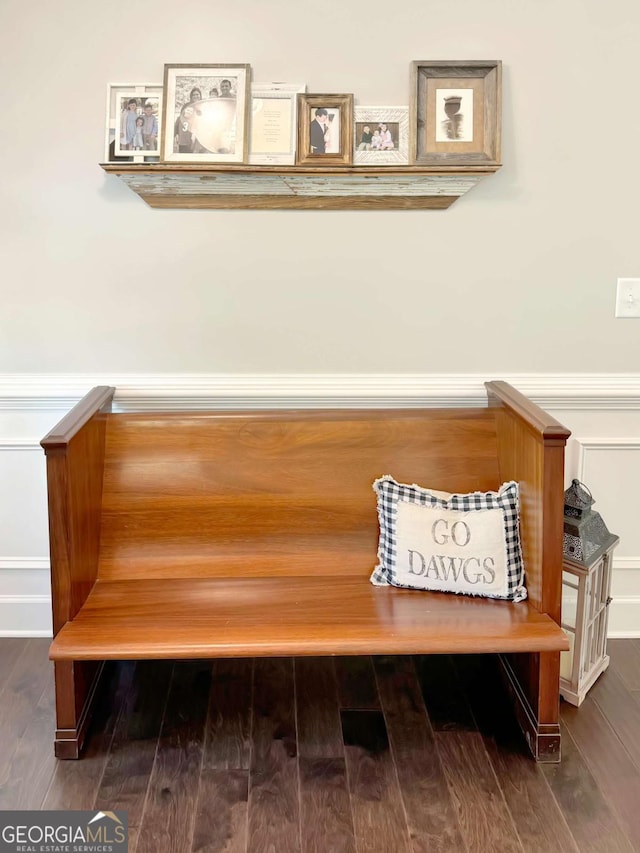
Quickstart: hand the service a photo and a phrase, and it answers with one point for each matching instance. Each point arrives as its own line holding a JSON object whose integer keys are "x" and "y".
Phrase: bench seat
{"x": 246, "y": 617}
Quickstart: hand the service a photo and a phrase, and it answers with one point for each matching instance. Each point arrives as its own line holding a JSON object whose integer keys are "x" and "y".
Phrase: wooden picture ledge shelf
{"x": 298, "y": 187}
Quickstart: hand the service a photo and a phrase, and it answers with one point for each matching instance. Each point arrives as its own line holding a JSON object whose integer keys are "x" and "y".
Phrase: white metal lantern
{"x": 586, "y": 593}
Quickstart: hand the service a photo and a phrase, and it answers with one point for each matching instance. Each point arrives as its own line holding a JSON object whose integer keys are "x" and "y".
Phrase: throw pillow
{"x": 463, "y": 543}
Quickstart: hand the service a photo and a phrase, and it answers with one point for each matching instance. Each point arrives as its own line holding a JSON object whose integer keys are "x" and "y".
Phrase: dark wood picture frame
{"x": 307, "y": 104}
{"x": 455, "y": 139}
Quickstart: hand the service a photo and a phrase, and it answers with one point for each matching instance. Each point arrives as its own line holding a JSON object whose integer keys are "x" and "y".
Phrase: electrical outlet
{"x": 628, "y": 297}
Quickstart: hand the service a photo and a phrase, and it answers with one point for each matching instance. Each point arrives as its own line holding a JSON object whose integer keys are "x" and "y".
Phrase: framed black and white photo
{"x": 133, "y": 122}
{"x": 381, "y": 136}
{"x": 206, "y": 113}
{"x": 274, "y": 123}
{"x": 325, "y": 130}
{"x": 455, "y": 113}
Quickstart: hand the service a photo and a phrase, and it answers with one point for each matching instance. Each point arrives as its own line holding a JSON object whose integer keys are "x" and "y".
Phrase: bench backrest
{"x": 274, "y": 492}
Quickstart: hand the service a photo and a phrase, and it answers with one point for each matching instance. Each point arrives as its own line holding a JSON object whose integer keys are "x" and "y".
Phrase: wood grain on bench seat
{"x": 224, "y": 617}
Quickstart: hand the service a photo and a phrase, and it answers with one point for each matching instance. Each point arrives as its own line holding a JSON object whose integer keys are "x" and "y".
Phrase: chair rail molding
{"x": 148, "y": 391}
{"x": 19, "y": 444}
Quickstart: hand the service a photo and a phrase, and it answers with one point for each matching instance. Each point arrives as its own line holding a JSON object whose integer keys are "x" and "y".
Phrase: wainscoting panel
{"x": 610, "y": 467}
{"x": 23, "y": 498}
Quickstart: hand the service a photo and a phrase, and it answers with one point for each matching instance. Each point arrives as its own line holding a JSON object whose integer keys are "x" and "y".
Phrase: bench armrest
{"x": 75, "y": 465}
{"x": 97, "y": 400}
{"x": 531, "y": 451}
{"x": 533, "y": 417}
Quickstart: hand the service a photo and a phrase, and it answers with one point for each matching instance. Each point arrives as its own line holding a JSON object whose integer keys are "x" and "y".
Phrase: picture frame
{"x": 206, "y": 113}
{"x": 274, "y": 123}
{"x": 455, "y": 113}
{"x": 318, "y": 116}
{"x": 118, "y": 95}
{"x": 388, "y": 129}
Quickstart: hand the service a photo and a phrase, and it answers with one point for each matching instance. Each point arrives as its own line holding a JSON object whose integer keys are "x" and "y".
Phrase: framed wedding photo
{"x": 133, "y": 122}
{"x": 455, "y": 113}
{"x": 206, "y": 113}
{"x": 381, "y": 136}
{"x": 325, "y": 130}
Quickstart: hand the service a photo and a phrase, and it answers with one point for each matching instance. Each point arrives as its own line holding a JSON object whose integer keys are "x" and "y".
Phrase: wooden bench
{"x": 212, "y": 534}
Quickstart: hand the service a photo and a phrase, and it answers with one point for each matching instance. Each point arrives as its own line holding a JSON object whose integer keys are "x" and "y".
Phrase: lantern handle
{"x": 576, "y": 482}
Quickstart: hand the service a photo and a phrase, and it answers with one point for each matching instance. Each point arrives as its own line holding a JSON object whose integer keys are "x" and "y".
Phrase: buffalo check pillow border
{"x": 463, "y": 543}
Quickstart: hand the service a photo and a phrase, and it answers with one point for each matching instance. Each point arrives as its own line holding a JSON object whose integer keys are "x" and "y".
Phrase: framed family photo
{"x": 381, "y": 136}
{"x": 133, "y": 122}
{"x": 206, "y": 113}
{"x": 325, "y": 130}
{"x": 456, "y": 112}
{"x": 274, "y": 123}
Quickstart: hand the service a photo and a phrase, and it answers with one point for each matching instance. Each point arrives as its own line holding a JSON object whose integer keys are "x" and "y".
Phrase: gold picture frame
{"x": 455, "y": 113}
{"x": 320, "y": 141}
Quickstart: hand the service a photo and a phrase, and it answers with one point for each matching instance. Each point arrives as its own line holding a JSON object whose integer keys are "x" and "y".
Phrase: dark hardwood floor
{"x": 361, "y": 755}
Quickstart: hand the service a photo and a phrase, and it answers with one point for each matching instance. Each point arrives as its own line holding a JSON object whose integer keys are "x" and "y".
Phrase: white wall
{"x": 93, "y": 280}
{"x": 95, "y": 283}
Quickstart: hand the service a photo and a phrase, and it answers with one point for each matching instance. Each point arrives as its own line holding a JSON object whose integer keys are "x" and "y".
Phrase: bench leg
{"x": 76, "y": 683}
{"x": 533, "y": 682}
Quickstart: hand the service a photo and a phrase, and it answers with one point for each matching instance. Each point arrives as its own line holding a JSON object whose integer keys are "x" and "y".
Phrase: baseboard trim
{"x": 26, "y": 634}
{"x": 626, "y": 564}
{"x": 624, "y": 617}
{"x": 40, "y": 564}
{"x": 30, "y": 616}
{"x": 25, "y": 616}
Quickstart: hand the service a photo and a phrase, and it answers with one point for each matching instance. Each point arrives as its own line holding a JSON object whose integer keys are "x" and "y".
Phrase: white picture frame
{"x": 116, "y": 92}
{"x": 206, "y": 113}
{"x": 395, "y": 120}
{"x": 274, "y": 123}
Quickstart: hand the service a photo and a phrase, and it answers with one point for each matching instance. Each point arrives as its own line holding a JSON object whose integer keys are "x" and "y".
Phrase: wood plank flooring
{"x": 324, "y": 755}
